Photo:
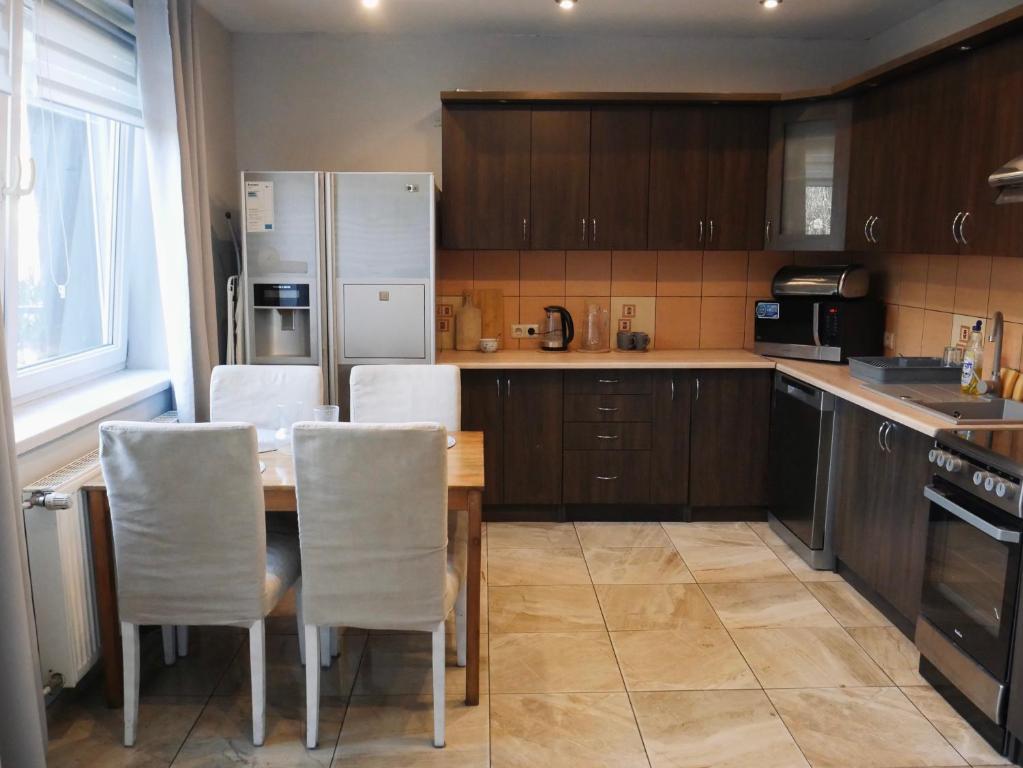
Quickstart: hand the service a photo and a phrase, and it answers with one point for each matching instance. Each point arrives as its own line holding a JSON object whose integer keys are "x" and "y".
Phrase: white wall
{"x": 372, "y": 103}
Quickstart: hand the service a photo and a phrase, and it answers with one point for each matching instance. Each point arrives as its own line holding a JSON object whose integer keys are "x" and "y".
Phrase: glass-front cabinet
{"x": 808, "y": 177}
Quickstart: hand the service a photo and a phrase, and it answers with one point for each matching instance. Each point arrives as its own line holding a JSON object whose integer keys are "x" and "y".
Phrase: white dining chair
{"x": 251, "y": 393}
{"x": 190, "y": 540}
{"x": 372, "y": 520}
{"x": 393, "y": 394}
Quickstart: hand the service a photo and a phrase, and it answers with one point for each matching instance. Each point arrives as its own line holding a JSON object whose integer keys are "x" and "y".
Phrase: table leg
{"x": 474, "y": 575}
{"x": 106, "y": 597}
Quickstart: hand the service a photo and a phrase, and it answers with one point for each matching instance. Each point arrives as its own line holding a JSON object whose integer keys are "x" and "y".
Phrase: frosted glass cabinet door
{"x": 808, "y": 177}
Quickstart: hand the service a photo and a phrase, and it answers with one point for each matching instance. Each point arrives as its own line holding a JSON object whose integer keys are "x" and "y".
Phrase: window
{"x": 74, "y": 120}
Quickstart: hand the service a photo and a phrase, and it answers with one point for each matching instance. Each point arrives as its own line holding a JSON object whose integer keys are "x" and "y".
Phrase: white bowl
{"x": 488, "y": 345}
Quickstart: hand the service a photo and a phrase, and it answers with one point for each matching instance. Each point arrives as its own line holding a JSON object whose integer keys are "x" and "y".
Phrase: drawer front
{"x": 607, "y": 477}
{"x": 608, "y": 383}
{"x": 608, "y": 408}
{"x": 588, "y": 436}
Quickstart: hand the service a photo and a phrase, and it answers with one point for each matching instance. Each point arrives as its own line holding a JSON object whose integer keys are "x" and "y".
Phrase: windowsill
{"x": 40, "y": 421}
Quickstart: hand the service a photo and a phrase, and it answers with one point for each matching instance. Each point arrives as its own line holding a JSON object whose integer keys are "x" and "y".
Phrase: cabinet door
{"x": 482, "y": 409}
{"x": 868, "y": 174}
{"x": 736, "y": 178}
{"x": 456, "y": 208}
{"x": 678, "y": 178}
{"x": 560, "y": 178}
{"x": 861, "y": 469}
{"x": 619, "y": 177}
{"x": 729, "y": 428}
{"x": 532, "y": 437}
{"x": 669, "y": 457}
{"x": 501, "y": 179}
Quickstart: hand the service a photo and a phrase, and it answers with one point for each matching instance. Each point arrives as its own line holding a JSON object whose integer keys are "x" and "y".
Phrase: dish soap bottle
{"x": 973, "y": 363}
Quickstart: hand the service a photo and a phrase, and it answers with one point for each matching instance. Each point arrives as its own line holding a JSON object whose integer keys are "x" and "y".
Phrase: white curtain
{"x": 169, "y": 75}
{"x": 22, "y": 715}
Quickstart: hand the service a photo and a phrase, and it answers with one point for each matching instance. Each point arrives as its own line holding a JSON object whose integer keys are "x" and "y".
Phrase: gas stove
{"x": 987, "y": 463}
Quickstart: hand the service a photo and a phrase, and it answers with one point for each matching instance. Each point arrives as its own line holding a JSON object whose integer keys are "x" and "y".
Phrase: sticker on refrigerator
{"x": 768, "y": 310}
{"x": 259, "y": 206}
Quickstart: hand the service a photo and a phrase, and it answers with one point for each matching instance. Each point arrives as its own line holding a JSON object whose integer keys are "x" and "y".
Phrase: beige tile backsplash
{"x": 704, "y": 299}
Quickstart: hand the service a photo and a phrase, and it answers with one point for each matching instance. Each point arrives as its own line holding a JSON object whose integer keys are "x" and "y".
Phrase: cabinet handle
{"x": 607, "y": 381}
{"x": 605, "y": 409}
{"x": 673, "y": 389}
{"x": 605, "y": 477}
{"x": 608, "y": 437}
{"x": 594, "y": 233}
{"x": 507, "y": 386}
{"x": 880, "y": 429}
{"x": 584, "y": 232}
{"x": 697, "y": 387}
{"x": 866, "y": 228}
{"x": 700, "y": 238}
{"x": 962, "y": 229}
{"x": 767, "y": 232}
{"x": 888, "y": 431}
{"x": 955, "y": 225}
{"x": 873, "y": 236}
{"x": 710, "y": 232}
{"x": 499, "y": 385}
{"x": 525, "y": 236}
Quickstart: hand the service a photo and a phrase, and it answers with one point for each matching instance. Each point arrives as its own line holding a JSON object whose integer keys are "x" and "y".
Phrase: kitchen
{"x": 626, "y": 263}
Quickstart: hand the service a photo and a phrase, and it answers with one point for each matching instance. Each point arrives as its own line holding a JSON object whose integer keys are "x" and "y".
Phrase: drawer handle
{"x": 608, "y": 437}
{"x": 606, "y": 410}
{"x": 608, "y": 381}
{"x": 606, "y": 477}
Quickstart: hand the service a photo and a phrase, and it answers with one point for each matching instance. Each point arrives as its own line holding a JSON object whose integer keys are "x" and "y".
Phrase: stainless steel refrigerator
{"x": 338, "y": 269}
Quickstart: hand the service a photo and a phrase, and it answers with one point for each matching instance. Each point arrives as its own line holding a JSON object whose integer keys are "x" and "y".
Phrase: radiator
{"x": 60, "y": 568}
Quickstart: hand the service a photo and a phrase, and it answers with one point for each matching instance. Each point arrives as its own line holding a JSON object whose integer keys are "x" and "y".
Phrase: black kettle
{"x": 558, "y": 330}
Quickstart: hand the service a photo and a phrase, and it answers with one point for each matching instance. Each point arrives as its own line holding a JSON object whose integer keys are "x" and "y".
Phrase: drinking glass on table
{"x": 326, "y": 413}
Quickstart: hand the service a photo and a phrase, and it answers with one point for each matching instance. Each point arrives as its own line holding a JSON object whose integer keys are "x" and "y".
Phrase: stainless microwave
{"x": 830, "y": 330}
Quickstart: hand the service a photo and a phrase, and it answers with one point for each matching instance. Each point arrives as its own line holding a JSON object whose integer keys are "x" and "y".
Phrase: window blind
{"x": 85, "y": 56}
{"x": 5, "y": 46}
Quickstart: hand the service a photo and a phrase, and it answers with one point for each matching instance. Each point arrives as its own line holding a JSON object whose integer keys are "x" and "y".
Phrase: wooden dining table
{"x": 465, "y": 492}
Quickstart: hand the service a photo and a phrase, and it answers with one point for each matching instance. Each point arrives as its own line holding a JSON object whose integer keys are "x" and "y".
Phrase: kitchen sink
{"x": 979, "y": 410}
{"x": 946, "y": 401}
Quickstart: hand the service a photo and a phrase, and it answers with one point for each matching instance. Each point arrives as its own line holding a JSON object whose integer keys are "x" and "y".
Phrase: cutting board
{"x": 491, "y": 304}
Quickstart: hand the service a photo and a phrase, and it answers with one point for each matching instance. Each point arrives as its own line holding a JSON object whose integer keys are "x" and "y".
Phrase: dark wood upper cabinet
{"x": 736, "y": 178}
{"x": 619, "y": 177}
{"x": 869, "y": 219}
{"x": 457, "y": 153}
{"x": 560, "y": 179}
{"x": 678, "y": 178}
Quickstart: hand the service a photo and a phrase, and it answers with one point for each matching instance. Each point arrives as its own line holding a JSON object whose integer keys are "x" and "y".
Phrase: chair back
{"x": 251, "y": 393}
{"x": 387, "y": 394}
{"x": 372, "y": 521}
{"x": 186, "y": 507}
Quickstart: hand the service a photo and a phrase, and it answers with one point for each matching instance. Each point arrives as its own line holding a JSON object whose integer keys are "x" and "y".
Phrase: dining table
{"x": 465, "y": 492}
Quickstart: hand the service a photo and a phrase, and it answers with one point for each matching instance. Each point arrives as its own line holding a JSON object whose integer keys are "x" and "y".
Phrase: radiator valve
{"x": 49, "y": 500}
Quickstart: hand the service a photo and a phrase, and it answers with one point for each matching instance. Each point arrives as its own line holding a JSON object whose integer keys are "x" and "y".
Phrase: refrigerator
{"x": 338, "y": 270}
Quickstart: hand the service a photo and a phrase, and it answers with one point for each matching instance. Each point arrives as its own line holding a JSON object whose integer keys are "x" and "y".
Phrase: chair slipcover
{"x": 372, "y": 518}
{"x": 186, "y": 507}
{"x": 387, "y": 394}
{"x": 251, "y": 393}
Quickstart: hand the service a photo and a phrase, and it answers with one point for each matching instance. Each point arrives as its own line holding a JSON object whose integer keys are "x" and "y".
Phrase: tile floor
{"x": 605, "y": 644}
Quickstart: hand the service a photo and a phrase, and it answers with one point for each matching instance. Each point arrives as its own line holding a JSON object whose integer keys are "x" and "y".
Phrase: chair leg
{"x": 312, "y": 686}
{"x": 325, "y": 646}
{"x": 460, "y": 621}
{"x": 438, "y": 685}
{"x": 182, "y": 641}
{"x": 257, "y": 666}
{"x": 130, "y": 645}
{"x": 299, "y": 622}
{"x": 170, "y": 653}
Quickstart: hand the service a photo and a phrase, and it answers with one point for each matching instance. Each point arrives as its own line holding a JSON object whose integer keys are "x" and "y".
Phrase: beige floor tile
{"x": 531, "y": 536}
{"x": 893, "y": 652}
{"x": 569, "y": 662}
{"x": 397, "y": 732}
{"x": 847, "y": 605}
{"x": 622, "y": 535}
{"x": 953, "y": 727}
{"x": 861, "y": 728}
{"x": 515, "y": 567}
{"x": 223, "y": 736}
{"x": 724, "y": 729}
{"x": 403, "y": 665}
{"x": 769, "y": 537}
{"x": 544, "y": 609}
{"x": 807, "y": 657}
{"x": 85, "y": 733}
{"x": 742, "y": 562}
{"x": 210, "y": 651}
{"x": 753, "y": 604}
{"x": 579, "y": 730}
{"x": 681, "y": 660}
{"x": 800, "y": 569}
{"x": 655, "y": 606}
{"x": 645, "y": 565}
{"x": 694, "y": 535}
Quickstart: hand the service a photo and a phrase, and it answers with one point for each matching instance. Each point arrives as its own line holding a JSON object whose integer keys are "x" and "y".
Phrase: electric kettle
{"x": 557, "y": 331}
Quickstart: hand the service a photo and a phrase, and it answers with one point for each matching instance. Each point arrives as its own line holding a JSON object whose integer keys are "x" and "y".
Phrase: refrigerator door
{"x": 385, "y": 322}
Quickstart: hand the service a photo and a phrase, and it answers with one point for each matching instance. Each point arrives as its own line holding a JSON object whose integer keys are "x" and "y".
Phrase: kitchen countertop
{"x": 827, "y": 376}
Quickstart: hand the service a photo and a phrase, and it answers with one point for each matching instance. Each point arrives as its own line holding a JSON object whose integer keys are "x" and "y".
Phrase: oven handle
{"x": 995, "y": 532}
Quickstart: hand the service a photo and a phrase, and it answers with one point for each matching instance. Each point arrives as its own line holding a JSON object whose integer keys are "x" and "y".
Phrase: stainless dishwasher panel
{"x": 802, "y": 422}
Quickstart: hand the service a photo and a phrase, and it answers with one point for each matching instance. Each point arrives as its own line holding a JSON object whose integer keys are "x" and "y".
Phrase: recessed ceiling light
{"x": 566, "y": 5}
{"x": 770, "y": 4}
{"x": 370, "y": 3}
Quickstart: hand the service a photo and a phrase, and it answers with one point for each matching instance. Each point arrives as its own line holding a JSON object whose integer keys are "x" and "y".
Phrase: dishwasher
{"x": 802, "y": 430}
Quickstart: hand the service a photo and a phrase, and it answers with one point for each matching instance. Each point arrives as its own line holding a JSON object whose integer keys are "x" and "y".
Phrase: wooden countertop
{"x": 827, "y": 376}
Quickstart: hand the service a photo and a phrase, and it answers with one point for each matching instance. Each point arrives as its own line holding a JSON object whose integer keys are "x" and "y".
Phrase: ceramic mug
{"x": 641, "y": 340}
{"x": 626, "y": 340}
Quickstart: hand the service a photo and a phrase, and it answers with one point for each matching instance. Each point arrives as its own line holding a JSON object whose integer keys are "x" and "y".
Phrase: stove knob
{"x": 942, "y": 457}
{"x": 989, "y": 483}
{"x": 954, "y": 464}
{"x": 932, "y": 455}
{"x": 978, "y": 477}
{"x": 1006, "y": 490}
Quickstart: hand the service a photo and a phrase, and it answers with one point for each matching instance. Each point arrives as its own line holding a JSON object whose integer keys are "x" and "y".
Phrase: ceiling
{"x": 795, "y": 19}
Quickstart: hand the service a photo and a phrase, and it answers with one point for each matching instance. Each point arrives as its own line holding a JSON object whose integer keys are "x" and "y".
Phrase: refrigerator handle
{"x": 327, "y": 271}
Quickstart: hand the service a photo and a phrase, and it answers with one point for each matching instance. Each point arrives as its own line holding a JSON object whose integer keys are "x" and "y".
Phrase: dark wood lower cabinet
{"x": 483, "y": 410}
{"x": 607, "y": 477}
{"x": 532, "y": 437}
{"x": 669, "y": 455}
{"x": 881, "y": 514}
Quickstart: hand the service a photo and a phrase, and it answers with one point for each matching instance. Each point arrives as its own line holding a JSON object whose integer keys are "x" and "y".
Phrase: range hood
{"x": 1008, "y": 180}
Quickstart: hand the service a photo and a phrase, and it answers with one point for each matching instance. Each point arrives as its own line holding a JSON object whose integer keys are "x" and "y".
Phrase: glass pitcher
{"x": 597, "y": 331}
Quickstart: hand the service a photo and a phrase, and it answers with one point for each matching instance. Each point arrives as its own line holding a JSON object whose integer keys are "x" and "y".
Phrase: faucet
{"x": 994, "y": 381}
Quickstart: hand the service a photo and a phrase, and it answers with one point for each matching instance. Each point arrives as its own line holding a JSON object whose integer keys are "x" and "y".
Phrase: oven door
{"x": 971, "y": 574}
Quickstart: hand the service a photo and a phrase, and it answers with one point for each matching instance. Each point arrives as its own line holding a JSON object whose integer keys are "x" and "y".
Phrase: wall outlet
{"x": 445, "y": 310}
{"x": 624, "y": 325}
{"x": 628, "y": 310}
{"x": 525, "y": 330}
{"x": 889, "y": 340}
{"x": 443, "y": 325}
